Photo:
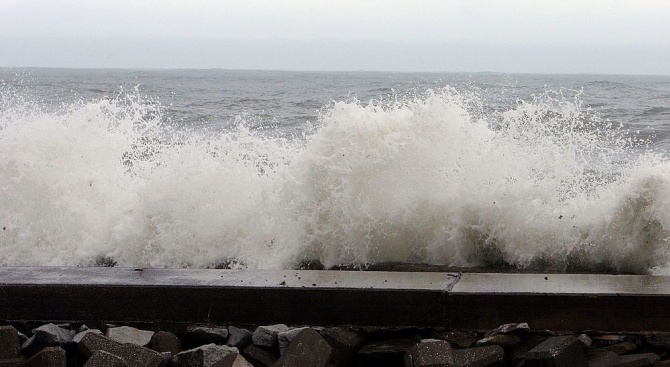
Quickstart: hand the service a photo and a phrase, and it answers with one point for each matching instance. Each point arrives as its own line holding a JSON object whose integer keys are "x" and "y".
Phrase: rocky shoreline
{"x": 94, "y": 344}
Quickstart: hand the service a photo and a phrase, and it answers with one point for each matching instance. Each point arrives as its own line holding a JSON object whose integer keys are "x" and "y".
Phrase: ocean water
{"x": 267, "y": 169}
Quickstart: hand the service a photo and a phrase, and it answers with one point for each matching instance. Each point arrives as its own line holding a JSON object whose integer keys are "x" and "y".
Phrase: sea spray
{"x": 427, "y": 178}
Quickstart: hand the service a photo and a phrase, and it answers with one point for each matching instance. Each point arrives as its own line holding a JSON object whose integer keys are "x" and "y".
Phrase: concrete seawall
{"x": 322, "y": 297}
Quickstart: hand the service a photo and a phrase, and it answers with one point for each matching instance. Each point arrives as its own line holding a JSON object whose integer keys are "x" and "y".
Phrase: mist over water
{"x": 470, "y": 174}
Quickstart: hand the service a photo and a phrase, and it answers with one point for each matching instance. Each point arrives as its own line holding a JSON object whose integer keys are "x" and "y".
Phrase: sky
{"x": 539, "y": 36}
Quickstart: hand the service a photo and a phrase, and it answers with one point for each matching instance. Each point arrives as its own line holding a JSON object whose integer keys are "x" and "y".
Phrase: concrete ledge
{"x": 320, "y": 297}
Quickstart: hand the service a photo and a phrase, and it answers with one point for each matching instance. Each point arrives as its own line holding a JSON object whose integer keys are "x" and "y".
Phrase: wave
{"x": 422, "y": 179}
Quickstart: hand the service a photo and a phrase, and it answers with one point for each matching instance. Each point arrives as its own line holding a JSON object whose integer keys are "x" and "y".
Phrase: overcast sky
{"x": 557, "y": 36}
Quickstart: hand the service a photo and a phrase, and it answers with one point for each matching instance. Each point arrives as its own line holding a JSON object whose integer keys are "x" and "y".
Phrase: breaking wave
{"x": 546, "y": 184}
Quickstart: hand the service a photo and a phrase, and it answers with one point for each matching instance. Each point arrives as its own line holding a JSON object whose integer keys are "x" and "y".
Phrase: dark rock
{"x": 503, "y": 340}
{"x": 601, "y": 358}
{"x": 77, "y": 338}
{"x": 606, "y": 340}
{"x": 127, "y": 334}
{"x": 22, "y": 337}
{"x": 308, "y": 349}
{"x": 134, "y": 355}
{"x": 12, "y": 362}
{"x": 611, "y": 359}
{"x": 74, "y": 357}
{"x": 266, "y": 336}
{"x": 47, "y": 357}
{"x": 585, "y": 339}
{"x": 233, "y": 360}
{"x": 258, "y": 356}
{"x": 288, "y": 360}
{"x": 200, "y": 335}
{"x": 238, "y": 338}
{"x": 203, "y": 356}
{"x": 621, "y": 348}
{"x": 516, "y": 329}
{"x": 432, "y": 354}
{"x": 637, "y": 360}
{"x": 284, "y": 338}
{"x": 557, "y": 351}
{"x": 164, "y": 341}
{"x": 659, "y": 341}
{"x": 384, "y": 353}
{"x": 9, "y": 343}
{"x": 491, "y": 356}
{"x": 408, "y": 360}
{"x": 167, "y": 357}
{"x": 517, "y": 355}
{"x": 48, "y": 335}
{"x": 461, "y": 339}
{"x": 104, "y": 359}
{"x": 345, "y": 344}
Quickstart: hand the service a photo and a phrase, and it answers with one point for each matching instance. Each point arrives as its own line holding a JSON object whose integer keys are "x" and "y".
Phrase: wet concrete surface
{"x": 320, "y": 297}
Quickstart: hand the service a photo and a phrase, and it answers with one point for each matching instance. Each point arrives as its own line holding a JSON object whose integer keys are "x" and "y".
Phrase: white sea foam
{"x": 545, "y": 184}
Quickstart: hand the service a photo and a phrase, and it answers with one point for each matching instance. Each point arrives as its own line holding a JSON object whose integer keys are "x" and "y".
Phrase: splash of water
{"x": 546, "y": 184}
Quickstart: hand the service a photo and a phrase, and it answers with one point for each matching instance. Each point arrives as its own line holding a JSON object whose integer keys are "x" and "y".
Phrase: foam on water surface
{"x": 427, "y": 179}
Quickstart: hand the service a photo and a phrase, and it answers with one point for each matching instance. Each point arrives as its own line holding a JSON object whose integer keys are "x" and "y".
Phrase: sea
{"x": 272, "y": 169}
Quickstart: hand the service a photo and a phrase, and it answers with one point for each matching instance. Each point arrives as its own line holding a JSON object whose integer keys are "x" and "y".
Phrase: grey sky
{"x": 423, "y": 35}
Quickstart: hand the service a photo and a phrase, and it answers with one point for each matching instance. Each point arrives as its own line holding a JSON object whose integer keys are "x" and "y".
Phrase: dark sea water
{"x": 174, "y": 168}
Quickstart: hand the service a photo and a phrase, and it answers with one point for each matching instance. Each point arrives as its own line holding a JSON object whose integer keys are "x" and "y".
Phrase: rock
{"x": 56, "y": 332}
{"x": 284, "y": 338}
{"x": 200, "y": 335}
{"x": 516, "y": 329}
{"x": 432, "y": 354}
{"x": 621, "y": 348}
{"x": 48, "y": 335}
{"x": 203, "y": 356}
{"x": 345, "y": 344}
{"x": 461, "y": 339}
{"x": 134, "y": 355}
{"x": 47, "y": 357}
{"x": 12, "y": 362}
{"x": 22, "y": 337}
{"x": 288, "y": 360}
{"x": 9, "y": 343}
{"x": 606, "y": 340}
{"x": 637, "y": 360}
{"x": 611, "y": 359}
{"x": 503, "y": 340}
{"x": 258, "y": 356}
{"x": 238, "y": 337}
{"x": 127, "y": 334}
{"x": 384, "y": 353}
{"x": 308, "y": 349}
{"x": 491, "y": 356}
{"x": 164, "y": 341}
{"x": 601, "y": 358}
{"x": 233, "y": 360}
{"x": 557, "y": 351}
{"x": 77, "y": 338}
{"x": 585, "y": 340}
{"x": 104, "y": 359}
{"x": 167, "y": 357}
{"x": 266, "y": 336}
